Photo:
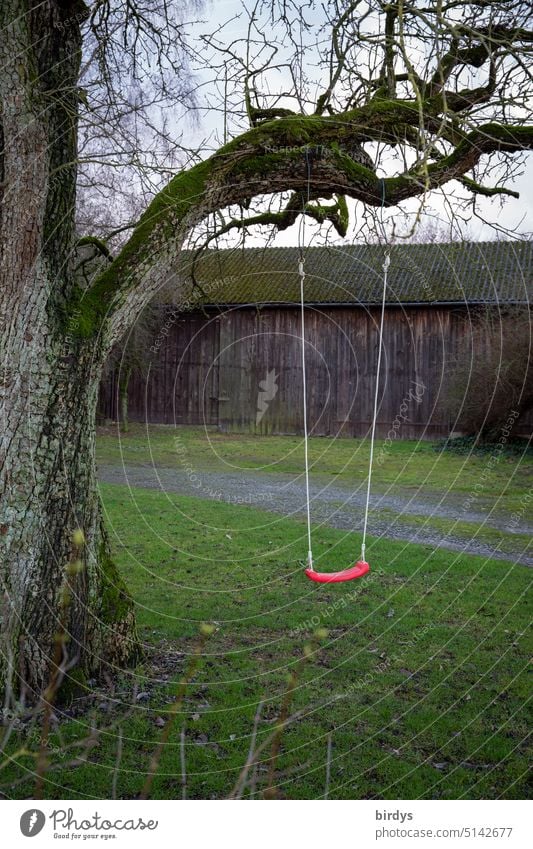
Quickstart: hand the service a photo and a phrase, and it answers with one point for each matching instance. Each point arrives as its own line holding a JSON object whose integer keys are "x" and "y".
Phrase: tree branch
{"x": 487, "y": 191}
{"x": 253, "y": 165}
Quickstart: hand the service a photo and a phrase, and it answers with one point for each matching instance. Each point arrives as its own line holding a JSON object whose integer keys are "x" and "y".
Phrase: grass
{"x": 496, "y": 485}
{"x": 421, "y": 680}
{"x": 403, "y": 466}
{"x": 510, "y": 543}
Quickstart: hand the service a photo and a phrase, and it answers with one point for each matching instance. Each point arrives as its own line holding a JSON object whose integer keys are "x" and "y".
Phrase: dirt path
{"x": 335, "y": 505}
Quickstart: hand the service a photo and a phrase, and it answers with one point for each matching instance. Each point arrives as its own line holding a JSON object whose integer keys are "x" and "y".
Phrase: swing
{"x": 361, "y": 567}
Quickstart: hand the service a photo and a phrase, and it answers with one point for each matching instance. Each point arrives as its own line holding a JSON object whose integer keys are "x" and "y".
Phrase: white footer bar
{"x": 264, "y": 824}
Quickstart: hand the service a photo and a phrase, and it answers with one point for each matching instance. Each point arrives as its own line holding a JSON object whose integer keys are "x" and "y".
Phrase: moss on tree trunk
{"x": 50, "y": 378}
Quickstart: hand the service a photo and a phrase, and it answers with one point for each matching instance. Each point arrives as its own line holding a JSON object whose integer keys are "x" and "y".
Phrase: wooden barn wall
{"x": 179, "y": 381}
{"x": 211, "y": 369}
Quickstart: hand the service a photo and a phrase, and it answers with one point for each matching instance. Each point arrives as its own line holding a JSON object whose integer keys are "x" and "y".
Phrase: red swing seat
{"x": 356, "y": 571}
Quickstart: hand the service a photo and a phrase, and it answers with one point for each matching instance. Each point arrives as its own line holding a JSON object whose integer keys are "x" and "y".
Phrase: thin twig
{"x": 328, "y": 765}
{"x": 182, "y": 760}
{"x": 59, "y": 660}
{"x": 270, "y": 791}
{"x": 250, "y": 760}
{"x": 285, "y": 719}
{"x": 205, "y": 633}
{"x": 117, "y": 764}
{"x": 253, "y": 781}
{"x": 264, "y": 745}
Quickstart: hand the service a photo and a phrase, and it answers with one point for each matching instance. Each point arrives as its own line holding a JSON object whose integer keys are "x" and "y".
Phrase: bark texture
{"x": 49, "y": 376}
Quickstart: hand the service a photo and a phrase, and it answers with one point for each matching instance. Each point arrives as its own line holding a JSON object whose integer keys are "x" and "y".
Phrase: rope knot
{"x": 386, "y": 262}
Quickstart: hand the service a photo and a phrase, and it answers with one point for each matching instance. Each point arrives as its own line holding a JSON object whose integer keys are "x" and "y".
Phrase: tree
{"x": 131, "y": 354}
{"x": 50, "y": 365}
{"x": 436, "y": 92}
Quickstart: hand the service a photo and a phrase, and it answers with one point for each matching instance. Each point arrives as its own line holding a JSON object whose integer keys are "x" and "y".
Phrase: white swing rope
{"x": 385, "y": 266}
{"x": 386, "y": 263}
{"x": 301, "y": 271}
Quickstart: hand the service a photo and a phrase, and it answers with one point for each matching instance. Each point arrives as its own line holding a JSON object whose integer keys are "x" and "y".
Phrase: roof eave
{"x": 293, "y": 304}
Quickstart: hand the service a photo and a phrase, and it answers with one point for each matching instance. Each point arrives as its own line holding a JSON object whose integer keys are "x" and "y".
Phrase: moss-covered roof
{"x": 472, "y": 272}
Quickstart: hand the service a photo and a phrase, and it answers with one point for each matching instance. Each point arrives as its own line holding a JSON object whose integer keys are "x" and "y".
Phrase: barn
{"x": 227, "y": 353}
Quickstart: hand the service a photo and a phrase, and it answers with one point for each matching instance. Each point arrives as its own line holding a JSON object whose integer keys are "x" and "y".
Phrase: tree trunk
{"x": 49, "y": 490}
{"x": 124, "y": 382}
{"x": 49, "y": 378}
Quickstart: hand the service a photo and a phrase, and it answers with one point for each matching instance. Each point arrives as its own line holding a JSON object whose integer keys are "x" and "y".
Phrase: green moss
{"x": 96, "y": 242}
{"x": 286, "y": 132}
{"x": 73, "y": 686}
{"x": 116, "y": 602}
{"x": 156, "y": 227}
{"x": 258, "y": 166}
{"x": 300, "y": 130}
{"x": 77, "y": 317}
{"x": 358, "y": 173}
{"x": 255, "y": 153}
{"x": 316, "y": 129}
{"x": 344, "y": 215}
{"x": 295, "y": 129}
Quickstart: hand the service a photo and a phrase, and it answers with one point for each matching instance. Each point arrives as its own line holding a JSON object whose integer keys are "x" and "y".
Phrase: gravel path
{"x": 332, "y": 504}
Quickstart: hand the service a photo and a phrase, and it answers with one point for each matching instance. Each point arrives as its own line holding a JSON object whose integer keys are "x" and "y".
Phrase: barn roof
{"x": 471, "y": 272}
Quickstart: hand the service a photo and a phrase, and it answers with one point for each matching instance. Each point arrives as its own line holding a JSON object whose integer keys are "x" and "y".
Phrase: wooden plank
{"x": 210, "y": 369}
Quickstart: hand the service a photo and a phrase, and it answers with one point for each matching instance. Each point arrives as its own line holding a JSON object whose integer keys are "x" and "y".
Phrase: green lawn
{"x": 478, "y": 489}
{"x": 420, "y": 683}
{"x": 404, "y": 467}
